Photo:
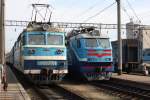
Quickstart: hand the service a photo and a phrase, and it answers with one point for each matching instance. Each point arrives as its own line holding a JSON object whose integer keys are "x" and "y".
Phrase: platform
{"x": 15, "y": 91}
{"x": 134, "y": 78}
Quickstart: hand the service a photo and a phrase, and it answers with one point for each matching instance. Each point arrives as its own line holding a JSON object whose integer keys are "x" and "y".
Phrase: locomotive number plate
{"x": 60, "y": 71}
{"x": 44, "y": 63}
{"x": 92, "y": 59}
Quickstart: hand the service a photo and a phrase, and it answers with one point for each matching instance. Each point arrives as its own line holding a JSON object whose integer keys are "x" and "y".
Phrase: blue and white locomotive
{"x": 89, "y": 54}
{"x": 40, "y": 53}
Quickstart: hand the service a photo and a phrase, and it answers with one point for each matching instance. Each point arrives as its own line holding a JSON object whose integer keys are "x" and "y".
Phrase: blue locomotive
{"x": 89, "y": 54}
{"x": 40, "y": 53}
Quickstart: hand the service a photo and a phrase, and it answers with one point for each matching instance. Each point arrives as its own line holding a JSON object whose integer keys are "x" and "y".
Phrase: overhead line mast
{"x": 2, "y": 34}
{"x": 119, "y": 37}
{"x": 2, "y": 43}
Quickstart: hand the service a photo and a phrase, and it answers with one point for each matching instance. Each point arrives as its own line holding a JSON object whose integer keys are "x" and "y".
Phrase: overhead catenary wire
{"x": 133, "y": 10}
{"x": 144, "y": 39}
{"x": 125, "y": 10}
{"x": 89, "y": 18}
{"x": 71, "y": 5}
{"x": 88, "y": 9}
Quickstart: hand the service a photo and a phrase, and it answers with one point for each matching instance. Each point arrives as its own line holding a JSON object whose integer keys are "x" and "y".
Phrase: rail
{"x": 129, "y": 90}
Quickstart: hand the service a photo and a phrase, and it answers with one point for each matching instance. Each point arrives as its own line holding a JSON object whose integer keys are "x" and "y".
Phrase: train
{"x": 131, "y": 55}
{"x": 40, "y": 53}
{"x": 89, "y": 54}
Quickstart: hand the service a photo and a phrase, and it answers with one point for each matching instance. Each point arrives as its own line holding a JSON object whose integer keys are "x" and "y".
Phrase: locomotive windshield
{"x": 97, "y": 42}
{"x": 36, "y": 39}
{"x": 91, "y": 42}
{"x": 104, "y": 43}
{"x": 54, "y": 39}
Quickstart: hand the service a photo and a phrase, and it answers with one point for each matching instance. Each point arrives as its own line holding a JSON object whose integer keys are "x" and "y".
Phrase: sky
{"x": 77, "y": 11}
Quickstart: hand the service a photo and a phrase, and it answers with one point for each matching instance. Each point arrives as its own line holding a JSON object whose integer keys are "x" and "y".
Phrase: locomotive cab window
{"x": 54, "y": 39}
{"x": 90, "y": 42}
{"x": 36, "y": 39}
{"x": 104, "y": 42}
{"x": 78, "y": 44}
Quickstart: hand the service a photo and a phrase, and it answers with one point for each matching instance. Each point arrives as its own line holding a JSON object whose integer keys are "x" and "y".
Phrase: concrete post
{"x": 2, "y": 35}
{"x": 119, "y": 38}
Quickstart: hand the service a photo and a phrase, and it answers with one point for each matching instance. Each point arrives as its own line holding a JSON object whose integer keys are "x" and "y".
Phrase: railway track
{"x": 57, "y": 92}
{"x": 83, "y": 91}
{"x": 87, "y": 91}
{"x": 46, "y": 92}
{"x": 123, "y": 90}
{"x": 64, "y": 91}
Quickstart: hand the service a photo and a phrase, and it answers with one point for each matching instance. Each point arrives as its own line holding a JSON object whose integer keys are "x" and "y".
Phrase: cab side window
{"x": 78, "y": 44}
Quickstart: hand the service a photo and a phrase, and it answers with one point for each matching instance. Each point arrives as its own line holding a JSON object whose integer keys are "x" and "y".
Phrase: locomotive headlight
{"x": 45, "y": 27}
{"x": 31, "y": 51}
{"x": 108, "y": 59}
{"x": 59, "y": 51}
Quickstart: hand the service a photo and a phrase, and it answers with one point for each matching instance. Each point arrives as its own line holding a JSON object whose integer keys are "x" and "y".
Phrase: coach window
{"x": 18, "y": 43}
{"x": 15, "y": 46}
{"x": 78, "y": 44}
{"x": 23, "y": 40}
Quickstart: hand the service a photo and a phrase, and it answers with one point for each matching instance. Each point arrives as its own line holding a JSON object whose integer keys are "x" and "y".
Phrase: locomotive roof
{"x": 40, "y": 26}
{"x": 86, "y": 32}
{"x": 85, "y": 35}
{"x": 90, "y": 36}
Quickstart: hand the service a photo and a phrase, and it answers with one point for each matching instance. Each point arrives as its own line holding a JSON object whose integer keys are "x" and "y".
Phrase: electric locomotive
{"x": 89, "y": 54}
{"x": 40, "y": 53}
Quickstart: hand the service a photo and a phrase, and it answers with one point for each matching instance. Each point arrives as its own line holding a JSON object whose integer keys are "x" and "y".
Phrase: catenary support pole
{"x": 2, "y": 38}
{"x": 119, "y": 37}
